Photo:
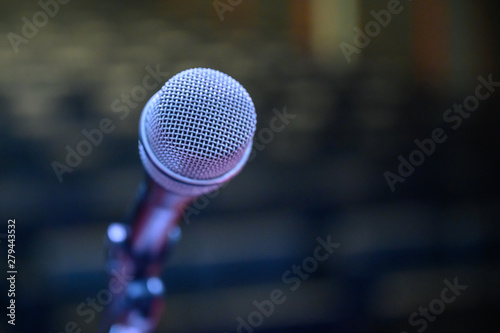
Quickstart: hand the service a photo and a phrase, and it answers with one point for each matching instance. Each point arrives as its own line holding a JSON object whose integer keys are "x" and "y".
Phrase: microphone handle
{"x": 141, "y": 254}
{"x": 154, "y": 224}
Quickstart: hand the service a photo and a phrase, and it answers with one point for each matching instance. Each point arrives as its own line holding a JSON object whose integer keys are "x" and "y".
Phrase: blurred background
{"x": 321, "y": 175}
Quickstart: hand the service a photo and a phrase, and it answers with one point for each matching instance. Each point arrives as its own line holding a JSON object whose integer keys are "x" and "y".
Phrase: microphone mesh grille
{"x": 200, "y": 123}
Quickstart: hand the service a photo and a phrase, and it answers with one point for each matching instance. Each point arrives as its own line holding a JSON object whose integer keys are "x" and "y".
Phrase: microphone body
{"x": 195, "y": 134}
{"x": 154, "y": 226}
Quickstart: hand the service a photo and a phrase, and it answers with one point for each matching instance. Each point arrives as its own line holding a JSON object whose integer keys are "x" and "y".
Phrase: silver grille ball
{"x": 200, "y": 124}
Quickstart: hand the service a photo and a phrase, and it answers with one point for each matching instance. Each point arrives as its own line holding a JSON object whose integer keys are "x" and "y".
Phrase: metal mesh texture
{"x": 200, "y": 123}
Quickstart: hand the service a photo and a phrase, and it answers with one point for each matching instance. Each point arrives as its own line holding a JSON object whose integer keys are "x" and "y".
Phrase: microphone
{"x": 195, "y": 134}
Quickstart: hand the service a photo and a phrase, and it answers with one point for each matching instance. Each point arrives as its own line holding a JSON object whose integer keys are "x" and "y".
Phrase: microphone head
{"x": 197, "y": 131}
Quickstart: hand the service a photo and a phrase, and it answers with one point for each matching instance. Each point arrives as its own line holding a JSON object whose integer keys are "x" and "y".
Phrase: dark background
{"x": 321, "y": 175}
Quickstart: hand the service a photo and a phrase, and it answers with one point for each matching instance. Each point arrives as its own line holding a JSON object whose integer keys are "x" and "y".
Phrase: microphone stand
{"x": 140, "y": 251}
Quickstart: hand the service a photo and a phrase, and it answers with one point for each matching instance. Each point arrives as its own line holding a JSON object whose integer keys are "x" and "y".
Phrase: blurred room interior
{"x": 323, "y": 174}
